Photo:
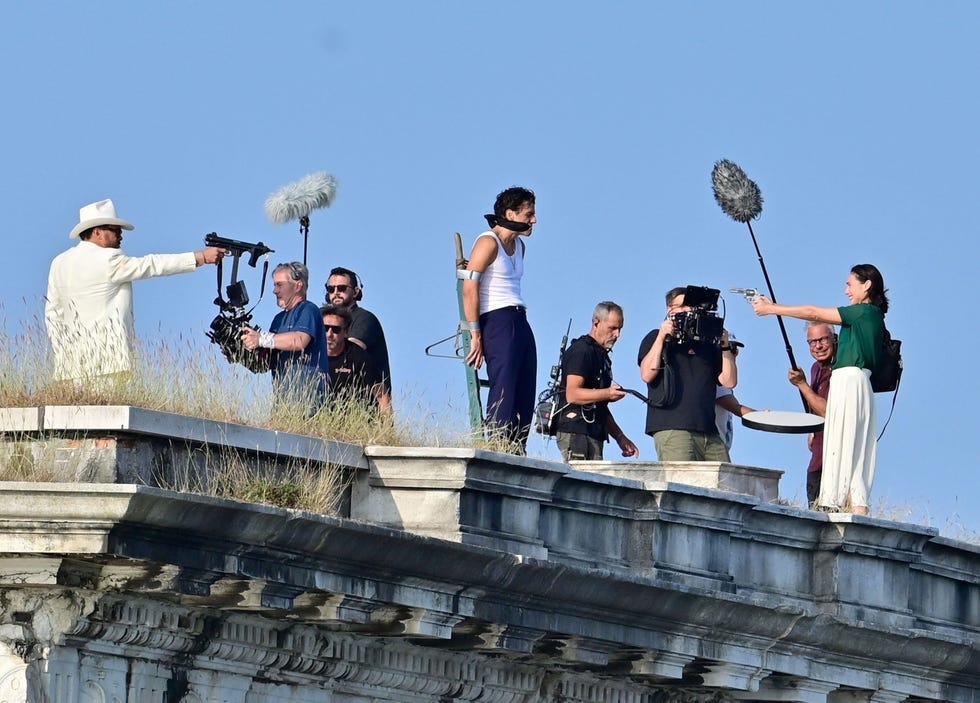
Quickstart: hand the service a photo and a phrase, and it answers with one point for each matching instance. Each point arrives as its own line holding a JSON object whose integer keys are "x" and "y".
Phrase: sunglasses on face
{"x": 818, "y": 340}
{"x": 338, "y": 289}
{"x": 336, "y": 329}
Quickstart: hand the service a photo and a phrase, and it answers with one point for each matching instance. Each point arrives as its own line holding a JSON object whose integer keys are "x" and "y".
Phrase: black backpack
{"x": 887, "y": 374}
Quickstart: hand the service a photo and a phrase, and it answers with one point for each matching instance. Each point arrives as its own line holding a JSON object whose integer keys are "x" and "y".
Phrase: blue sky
{"x": 857, "y": 120}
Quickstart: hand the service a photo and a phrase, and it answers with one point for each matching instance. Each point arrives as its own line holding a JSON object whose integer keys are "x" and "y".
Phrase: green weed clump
{"x": 23, "y": 460}
{"x": 285, "y": 495}
{"x": 292, "y": 483}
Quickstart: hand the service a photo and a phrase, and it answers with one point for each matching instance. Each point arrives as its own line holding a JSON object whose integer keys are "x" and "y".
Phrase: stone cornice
{"x": 460, "y": 573}
{"x": 209, "y": 554}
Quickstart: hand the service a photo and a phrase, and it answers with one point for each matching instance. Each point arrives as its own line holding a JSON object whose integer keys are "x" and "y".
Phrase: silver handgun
{"x": 749, "y": 293}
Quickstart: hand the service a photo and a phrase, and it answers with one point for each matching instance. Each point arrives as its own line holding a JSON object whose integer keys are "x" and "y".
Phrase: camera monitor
{"x": 237, "y": 294}
{"x": 701, "y": 297}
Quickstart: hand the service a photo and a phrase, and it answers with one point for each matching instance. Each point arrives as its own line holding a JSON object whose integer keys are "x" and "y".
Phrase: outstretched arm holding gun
{"x": 209, "y": 255}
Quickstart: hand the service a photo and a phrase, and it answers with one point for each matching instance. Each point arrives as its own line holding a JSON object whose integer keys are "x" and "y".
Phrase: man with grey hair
{"x": 822, "y": 340}
{"x": 296, "y": 340}
{"x": 583, "y": 421}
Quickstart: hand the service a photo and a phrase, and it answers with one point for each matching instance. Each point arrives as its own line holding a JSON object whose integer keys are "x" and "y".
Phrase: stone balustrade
{"x": 455, "y": 573}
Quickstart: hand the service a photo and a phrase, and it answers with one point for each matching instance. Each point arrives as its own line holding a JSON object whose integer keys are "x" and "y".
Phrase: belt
{"x": 513, "y": 308}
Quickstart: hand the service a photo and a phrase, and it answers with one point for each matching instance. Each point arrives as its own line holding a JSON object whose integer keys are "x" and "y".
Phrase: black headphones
{"x": 294, "y": 271}
{"x": 352, "y": 277}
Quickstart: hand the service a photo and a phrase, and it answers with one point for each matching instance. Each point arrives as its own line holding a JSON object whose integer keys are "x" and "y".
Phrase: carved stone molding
{"x": 477, "y": 576}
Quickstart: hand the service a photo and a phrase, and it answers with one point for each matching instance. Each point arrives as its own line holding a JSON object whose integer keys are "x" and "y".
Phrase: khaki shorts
{"x": 684, "y": 445}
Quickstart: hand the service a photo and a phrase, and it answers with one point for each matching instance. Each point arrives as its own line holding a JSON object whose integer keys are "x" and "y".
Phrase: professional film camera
{"x": 226, "y": 328}
{"x": 701, "y": 323}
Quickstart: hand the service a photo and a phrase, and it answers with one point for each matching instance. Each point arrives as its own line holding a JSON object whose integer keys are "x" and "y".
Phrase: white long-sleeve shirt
{"x": 89, "y": 307}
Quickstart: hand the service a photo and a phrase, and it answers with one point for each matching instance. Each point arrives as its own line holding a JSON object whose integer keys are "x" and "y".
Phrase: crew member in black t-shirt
{"x": 353, "y": 375}
{"x": 344, "y": 289}
{"x": 682, "y": 380}
{"x": 583, "y": 420}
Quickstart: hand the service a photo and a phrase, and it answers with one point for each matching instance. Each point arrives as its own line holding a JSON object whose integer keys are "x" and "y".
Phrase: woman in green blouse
{"x": 849, "y": 444}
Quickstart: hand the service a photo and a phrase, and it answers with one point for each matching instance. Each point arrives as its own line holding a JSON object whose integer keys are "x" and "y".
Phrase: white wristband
{"x": 471, "y": 326}
{"x": 267, "y": 340}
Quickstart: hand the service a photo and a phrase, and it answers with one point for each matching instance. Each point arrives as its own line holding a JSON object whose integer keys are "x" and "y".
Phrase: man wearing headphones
{"x": 822, "y": 340}
{"x": 344, "y": 288}
{"x": 297, "y": 340}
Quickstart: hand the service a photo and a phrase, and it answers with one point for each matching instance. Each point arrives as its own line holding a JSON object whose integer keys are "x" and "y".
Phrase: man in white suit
{"x": 89, "y": 306}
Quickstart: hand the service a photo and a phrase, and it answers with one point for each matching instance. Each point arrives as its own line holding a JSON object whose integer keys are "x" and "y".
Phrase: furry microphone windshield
{"x": 741, "y": 199}
{"x": 297, "y": 200}
{"x": 736, "y": 193}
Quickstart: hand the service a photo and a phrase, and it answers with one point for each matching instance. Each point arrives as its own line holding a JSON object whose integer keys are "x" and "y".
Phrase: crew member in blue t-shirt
{"x": 298, "y": 357}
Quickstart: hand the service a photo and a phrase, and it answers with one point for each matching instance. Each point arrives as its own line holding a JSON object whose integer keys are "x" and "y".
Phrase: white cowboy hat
{"x": 96, "y": 214}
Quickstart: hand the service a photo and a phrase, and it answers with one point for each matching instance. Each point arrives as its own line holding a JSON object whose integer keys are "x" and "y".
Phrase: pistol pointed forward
{"x": 749, "y": 293}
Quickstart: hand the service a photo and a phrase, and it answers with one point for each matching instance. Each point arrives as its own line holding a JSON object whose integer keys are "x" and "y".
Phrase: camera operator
{"x": 298, "y": 361}
{"x": 682, "y": 376}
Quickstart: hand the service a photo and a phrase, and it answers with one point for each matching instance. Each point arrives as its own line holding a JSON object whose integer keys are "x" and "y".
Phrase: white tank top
{"x": 500, "y": 286}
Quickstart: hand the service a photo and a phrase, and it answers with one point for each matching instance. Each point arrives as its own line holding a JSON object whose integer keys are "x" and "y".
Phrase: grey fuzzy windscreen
{"x": 736, "y": 193}
{"x": 299, "y": 199}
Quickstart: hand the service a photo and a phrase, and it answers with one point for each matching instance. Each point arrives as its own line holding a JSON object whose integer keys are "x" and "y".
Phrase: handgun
{"x": 749, "y": 293}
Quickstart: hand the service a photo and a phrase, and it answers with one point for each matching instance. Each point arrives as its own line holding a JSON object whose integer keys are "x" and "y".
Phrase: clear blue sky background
{"x": 859, "y": 121}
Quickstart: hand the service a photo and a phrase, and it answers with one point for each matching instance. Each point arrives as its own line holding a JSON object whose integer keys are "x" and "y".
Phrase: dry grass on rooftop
{"x": 188, "y": 376}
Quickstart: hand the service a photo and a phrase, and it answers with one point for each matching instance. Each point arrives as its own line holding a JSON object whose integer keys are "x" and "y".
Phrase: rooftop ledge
{"x": 630, "y": 546}
{"x": 84, "y": 420}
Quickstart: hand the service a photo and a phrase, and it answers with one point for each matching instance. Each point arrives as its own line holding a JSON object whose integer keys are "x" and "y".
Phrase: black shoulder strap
{"x": 891, "y": 410}
{"x": 220, "y": 300}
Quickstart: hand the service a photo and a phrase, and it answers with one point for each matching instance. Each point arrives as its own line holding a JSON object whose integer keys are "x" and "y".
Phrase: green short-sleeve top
{"x": 862, "y": 336}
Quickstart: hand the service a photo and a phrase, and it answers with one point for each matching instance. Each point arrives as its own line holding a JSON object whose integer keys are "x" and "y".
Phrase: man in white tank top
{"x": 497, "y": 317}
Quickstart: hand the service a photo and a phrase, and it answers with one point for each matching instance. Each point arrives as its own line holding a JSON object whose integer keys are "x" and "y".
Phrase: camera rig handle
{"x": 636, "y": 394}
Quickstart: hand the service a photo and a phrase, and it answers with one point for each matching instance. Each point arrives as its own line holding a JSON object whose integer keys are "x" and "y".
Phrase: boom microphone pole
{"x": 296, "y": 201}
{"x": 740, "y": 199}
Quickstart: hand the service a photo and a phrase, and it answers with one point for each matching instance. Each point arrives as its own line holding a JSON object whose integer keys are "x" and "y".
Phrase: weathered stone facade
{"x": 460, "y": 574}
